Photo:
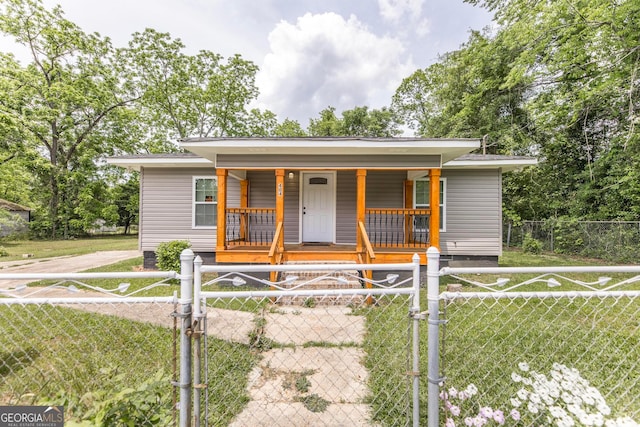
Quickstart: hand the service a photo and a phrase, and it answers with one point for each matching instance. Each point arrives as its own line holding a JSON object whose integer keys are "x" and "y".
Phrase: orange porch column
{"x": 222, "y": 210}
{"x": 434, "y": 205}
{"x": 361, "y": 190}
{"x": 280, "y": 198}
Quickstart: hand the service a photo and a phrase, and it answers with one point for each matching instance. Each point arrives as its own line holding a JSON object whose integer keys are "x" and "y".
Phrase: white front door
{"x": 318, "y": 207}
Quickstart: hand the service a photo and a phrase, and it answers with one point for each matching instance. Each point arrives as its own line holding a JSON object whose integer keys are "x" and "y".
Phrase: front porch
{"x": 380, "y": 235}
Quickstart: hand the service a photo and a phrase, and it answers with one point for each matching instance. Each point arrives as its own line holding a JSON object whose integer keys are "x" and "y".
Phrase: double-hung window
{"x": 205, "y": 202}
{"x": 421, "y": 197}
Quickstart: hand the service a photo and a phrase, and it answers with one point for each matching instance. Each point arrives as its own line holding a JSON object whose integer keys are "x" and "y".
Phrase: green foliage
{"x": 357, "y": 122}
{"x": 11, "y": 225}
{"x": 3, "y": 252}
{"x": 146, "y": 404}
{"x": 531, "y": 245}
{"x": 314, "y": 403}
{"x": 557, "y": 80}
{"x": 168, "y": 254}
{"x": 193, "y": 95}
{"x": 60, "y": 104}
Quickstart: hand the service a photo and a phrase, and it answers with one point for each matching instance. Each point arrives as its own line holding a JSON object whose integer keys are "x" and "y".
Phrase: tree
{"x": 60, "y": 102}
{"x": 192, "y": 96}
{"x": 360, "y": 121}
{"x": 556, "y": 79}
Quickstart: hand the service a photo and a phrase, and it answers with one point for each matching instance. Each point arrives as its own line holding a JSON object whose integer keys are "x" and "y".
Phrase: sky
{"x": 312, "y": 54}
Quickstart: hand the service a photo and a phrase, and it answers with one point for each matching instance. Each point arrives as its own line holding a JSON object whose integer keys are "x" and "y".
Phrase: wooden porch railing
{"x": 276, "y": 251}
{"x": 400, "y": 228}
{"x": 250, "y": 226}
{"x": 368, "y": 255}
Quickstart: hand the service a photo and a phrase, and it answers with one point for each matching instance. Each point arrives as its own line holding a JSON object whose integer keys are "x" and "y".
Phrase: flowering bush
{"x": 562, "y": 399}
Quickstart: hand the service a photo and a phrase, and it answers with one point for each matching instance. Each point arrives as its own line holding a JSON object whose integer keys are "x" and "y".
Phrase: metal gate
{"x": 320, "y": 344}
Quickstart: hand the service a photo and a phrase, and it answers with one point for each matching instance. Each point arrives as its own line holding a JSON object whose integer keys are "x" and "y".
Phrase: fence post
{"x": 433, "y": 367}
{"x": 186, "y": 300}
{"x": 197, "y": 336}
{"x": 415, "y": 309}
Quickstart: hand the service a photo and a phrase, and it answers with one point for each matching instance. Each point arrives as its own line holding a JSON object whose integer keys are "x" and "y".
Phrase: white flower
{"x": 515, "y": 377}
{"x": 455, "y": 410}
{"x": 515, "y": 402}
{"x": 524, "y": 367}
{"x": 567, "y": 398}
{"x": 533, "y": 408}
{"x": 450, "y": 423}
{"x": 522, "y": 394}
{"x": 565, "y": 422}
{"x": 453, "y": 392}
{"x": 557, "y": 412}
{"x": 471, "y": 390}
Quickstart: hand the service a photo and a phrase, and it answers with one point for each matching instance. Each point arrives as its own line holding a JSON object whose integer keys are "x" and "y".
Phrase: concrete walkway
{"x": 66, "y": 264}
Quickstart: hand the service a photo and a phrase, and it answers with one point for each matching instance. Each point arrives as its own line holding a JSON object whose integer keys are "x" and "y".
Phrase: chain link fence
{"x": 106, "y": 362}
{"x": 108, "y": 359}
{"x": 326, "y": 346}
{"x": 522, "y": 354}
{"x": 321, "y": 345}
{"x": 616, "y": 241}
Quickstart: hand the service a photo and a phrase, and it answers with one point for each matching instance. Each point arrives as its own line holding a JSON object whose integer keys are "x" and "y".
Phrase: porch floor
{"x": 310, "y": 252}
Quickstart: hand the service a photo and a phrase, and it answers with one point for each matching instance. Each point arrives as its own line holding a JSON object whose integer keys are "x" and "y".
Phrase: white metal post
{"x": 186, "y": 300}
{"x": 415, "y": 310}
{"x": 433, "y": 306}
{"x": 197, "y": 336}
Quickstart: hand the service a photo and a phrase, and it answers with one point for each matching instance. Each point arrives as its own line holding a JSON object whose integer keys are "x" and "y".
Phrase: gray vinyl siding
{"x": 474, "y": 213}
{"x": 385, "y": 189}
{"x": 166, "y": 207}
{"x": 291, "y": 208}
{"x": 346, "y": 201}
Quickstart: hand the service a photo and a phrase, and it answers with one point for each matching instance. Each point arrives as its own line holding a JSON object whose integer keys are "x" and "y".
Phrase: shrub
{"x": 531, "y": 245}
{"x": 11, "y": 225}
{"x": 168, "y": 254}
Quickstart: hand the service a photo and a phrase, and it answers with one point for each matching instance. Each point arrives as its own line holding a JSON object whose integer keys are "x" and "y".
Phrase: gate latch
{"x": 418, "y": 315}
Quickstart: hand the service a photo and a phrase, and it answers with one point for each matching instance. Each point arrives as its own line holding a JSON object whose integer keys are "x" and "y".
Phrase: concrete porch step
{"x": 319, "y": 280}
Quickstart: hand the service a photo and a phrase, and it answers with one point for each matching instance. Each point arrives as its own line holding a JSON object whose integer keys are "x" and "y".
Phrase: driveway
{"x": 65, "y": 264}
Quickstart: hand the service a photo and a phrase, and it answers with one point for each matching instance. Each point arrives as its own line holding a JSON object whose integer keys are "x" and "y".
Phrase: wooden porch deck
{"x": 310, "y": 252}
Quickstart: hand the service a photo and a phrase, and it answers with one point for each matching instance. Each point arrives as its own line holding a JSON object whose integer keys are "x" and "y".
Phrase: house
{"x": 274, "y": 200}
{"x": 22, "y": 212}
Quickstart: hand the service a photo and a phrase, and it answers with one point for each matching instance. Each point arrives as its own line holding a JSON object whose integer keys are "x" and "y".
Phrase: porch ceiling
{"x": 448, "y": 149}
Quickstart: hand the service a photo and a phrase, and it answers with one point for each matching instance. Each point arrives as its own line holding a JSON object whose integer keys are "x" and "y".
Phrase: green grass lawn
{"x": 107, "y": 370}
{"x": 53, "y": 248}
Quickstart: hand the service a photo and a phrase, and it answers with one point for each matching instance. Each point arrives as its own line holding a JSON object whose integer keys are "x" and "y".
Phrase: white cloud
{"x": 395, "y": 10}
{"x": 323, "y": 60}
{"x": 406, "y": 16}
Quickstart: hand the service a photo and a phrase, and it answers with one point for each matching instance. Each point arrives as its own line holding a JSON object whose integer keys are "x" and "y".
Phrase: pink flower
{"x": 515, "y": 414}
{"x": 498, "y": 416}
{"x": 486, "y": 412}
{"x": 449, "y": 423}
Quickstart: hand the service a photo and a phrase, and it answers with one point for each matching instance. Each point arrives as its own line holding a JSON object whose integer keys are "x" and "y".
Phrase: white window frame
{"x": 443, "y": 201}
{"x": 194, "y": 203}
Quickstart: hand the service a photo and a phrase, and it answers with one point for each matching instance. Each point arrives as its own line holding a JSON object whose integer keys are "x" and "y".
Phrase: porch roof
{"x": 447, "y": 149}
{"x": 182, "y": 160}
